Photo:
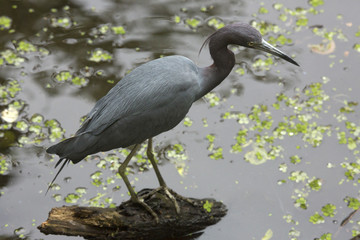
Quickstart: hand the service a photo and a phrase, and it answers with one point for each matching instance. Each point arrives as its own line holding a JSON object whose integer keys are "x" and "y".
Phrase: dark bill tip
{"x": 289, "y": 59}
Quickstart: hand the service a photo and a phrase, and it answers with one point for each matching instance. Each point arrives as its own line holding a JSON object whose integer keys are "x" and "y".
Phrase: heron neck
{"x": 213, "y": 75}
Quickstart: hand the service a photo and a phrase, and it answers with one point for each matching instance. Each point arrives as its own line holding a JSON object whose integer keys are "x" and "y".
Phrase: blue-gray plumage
{"x": 154, "y": 98}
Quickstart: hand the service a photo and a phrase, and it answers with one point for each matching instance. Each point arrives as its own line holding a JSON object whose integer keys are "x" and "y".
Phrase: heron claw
{"x": 172, "y": 198}
{"x": 141, "y": 202}
{"x": 173, "y": 193}
{"x": 170, "y": 194}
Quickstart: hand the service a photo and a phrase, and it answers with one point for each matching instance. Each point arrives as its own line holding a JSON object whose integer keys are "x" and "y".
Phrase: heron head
{"x": 244, "y": 35}
{"x": 247, "y": 36}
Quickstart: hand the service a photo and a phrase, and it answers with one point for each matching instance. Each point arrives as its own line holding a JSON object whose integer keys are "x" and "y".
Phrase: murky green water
{"x": 279, "y": 145}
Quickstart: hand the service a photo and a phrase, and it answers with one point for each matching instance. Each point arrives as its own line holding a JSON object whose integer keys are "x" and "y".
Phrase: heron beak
{"x": 267, "y": 47}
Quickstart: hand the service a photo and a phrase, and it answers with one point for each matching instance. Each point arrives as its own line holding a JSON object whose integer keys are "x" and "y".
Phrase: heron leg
{"x": 150, "y": 155}
{"x": 162, "y": 183}
{"x": 134, "y": 197}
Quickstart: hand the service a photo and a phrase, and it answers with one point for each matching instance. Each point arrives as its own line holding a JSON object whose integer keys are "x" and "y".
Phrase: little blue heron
{"x": 154, "y": 98}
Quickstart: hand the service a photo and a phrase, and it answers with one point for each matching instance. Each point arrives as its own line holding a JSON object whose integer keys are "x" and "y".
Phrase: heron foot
{"x": 172, "y": 195}
{"x": 168, "y": 192}
{"x": 178, "y": 196}
{"x": 141, "y": 202}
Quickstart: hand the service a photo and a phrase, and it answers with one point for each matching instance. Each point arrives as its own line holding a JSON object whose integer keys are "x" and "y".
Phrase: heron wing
{"x": 147, "y": 88}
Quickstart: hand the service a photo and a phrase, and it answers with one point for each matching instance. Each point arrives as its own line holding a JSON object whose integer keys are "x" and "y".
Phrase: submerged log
{"x": 131, "y": 221}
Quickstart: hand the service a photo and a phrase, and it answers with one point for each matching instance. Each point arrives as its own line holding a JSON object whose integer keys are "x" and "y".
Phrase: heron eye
{"x": 251, "y": 44}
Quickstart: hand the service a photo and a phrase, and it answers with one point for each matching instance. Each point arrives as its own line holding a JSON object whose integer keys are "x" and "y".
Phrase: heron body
{"x": 154, "y": 98}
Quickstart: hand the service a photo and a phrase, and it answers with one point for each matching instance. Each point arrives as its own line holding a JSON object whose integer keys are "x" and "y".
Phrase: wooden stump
{"x": 131, "y": 221}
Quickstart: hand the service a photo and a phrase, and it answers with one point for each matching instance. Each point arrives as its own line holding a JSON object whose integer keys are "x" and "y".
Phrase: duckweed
{"x": 207, "y": 206}
{"x": 329, "y": 210}
{"x": 216, "y": 23}
{"x": 192, "y": 22}
{"x": 118, "y": 30}
{"x": 5, "y": 164}
{"x": 100, "y": 55}
{"x": 5, "y": 22}
{"x": 317, "y": 218}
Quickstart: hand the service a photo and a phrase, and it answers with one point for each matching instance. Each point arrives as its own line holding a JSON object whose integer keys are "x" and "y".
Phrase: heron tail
{"x": 65, "y": 150}
{"x": 57, "y": 174}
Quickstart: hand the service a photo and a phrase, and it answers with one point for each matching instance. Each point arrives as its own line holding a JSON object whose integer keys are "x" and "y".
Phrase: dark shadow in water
{"x": 13, "y": 237}
{"x": 5, "y": 180}
{"x": 190, "y": 237}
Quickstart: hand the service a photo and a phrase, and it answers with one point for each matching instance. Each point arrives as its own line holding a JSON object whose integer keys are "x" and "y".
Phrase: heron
{"x": 154, "y": 98}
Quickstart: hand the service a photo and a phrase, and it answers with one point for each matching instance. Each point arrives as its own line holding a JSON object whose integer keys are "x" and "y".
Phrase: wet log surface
{"x": 131, "y": 221}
